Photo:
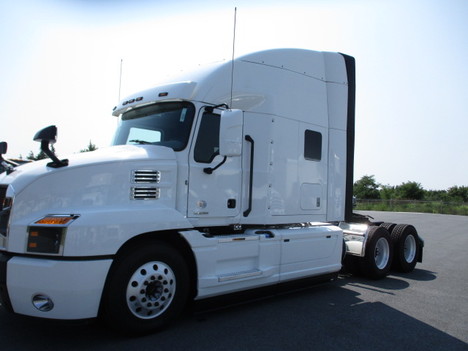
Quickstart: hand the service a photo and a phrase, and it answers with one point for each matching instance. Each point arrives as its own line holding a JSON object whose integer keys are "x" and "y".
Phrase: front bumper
{"x": 75, "y": 287}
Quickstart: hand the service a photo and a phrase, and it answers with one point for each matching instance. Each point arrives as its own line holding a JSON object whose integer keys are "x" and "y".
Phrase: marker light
{"x": 55, "y": 220}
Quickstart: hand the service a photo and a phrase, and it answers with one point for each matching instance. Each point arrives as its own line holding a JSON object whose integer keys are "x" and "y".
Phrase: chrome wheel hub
{"x": 381, "y": 253}
{"x": 151, "y": 289}
{"x": 409, "y": 248}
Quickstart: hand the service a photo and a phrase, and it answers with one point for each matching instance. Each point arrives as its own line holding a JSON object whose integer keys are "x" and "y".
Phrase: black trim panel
{"x": 59, "y": 258}
{"x": 350, "y": 134}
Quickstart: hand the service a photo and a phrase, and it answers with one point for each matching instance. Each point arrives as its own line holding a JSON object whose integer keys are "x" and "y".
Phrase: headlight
{"x": 47, "y": 235}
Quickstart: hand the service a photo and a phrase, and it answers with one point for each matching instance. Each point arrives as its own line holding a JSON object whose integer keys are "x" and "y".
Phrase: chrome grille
{"x": 146, "y": 176}
{"x": 145, "y": 193}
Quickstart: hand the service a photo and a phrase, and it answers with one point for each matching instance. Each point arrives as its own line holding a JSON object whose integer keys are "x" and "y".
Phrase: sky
{"x": 61, "y": 62}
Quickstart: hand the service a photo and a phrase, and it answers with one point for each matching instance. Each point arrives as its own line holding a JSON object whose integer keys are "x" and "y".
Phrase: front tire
{"x": 147, "y": 289}
{"x": 377, "y": 260}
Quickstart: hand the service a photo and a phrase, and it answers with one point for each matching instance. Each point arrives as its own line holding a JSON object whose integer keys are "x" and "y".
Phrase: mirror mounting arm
{"x": 210, "y": 109}
{"x": 209, "y": 170}
{"x": 56, "y": 162}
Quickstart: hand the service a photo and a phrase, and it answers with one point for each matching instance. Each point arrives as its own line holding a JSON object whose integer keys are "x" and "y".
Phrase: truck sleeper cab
{"x": 205, "y": 191}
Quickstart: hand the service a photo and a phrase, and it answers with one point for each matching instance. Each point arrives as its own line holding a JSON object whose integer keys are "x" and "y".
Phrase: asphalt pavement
{"x": 426, "y": 309}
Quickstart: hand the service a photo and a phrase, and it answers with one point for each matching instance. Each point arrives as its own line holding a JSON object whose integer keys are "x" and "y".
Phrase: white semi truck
{"x": 234, "y": 177}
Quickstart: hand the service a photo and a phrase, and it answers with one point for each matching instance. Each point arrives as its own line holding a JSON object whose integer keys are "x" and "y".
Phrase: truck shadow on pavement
{"x": 418, "y": 274}
{"x": 395, "y": 281}
{"x": 329, "y": 316}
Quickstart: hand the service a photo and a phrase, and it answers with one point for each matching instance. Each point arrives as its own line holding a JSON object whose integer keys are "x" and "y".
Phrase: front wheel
{"x": 377, "y": 261}
{"x": 147, "y": 288}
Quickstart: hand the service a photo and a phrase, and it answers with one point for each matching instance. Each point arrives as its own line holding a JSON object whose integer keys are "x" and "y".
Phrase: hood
{"x": 28, "y": 173}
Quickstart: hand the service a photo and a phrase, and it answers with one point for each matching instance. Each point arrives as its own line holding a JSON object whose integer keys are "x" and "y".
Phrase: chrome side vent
{"x": 146, "y": 176}
{"x": 145, "y": 193}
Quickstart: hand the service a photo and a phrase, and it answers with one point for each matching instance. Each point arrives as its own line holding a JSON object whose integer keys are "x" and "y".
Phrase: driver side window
{"x": 207, "y": 145}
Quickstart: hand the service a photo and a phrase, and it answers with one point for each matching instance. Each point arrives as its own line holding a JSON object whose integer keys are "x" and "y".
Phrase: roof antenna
{"x": 120, "y": 78}
{"x": 233, "y": 47}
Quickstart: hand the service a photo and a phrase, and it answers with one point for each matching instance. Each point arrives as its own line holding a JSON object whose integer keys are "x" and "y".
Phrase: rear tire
{"x": 377, "y": 260}
{"x": 389, "y": 226}
{"x": 147, "y": 289}
{"x": 406, "y": 243}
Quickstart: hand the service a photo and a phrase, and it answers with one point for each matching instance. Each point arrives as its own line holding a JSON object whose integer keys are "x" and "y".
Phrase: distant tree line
{"x": 367, "y": 188}
{"x": 41, "y": 155}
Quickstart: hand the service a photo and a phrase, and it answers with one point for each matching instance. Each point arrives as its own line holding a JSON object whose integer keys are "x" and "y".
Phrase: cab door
{"x": 214, "y": 181}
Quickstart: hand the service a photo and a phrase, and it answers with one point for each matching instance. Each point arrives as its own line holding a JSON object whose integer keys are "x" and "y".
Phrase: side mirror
{"x": 3, "y": 148}
{"x": 230, "y": 132}
{"x": 48, "y": 136}
{"x": 3, "y": 164}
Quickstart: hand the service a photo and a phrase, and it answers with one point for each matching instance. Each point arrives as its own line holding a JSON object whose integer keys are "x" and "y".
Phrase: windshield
{"x": 166, "y": 124}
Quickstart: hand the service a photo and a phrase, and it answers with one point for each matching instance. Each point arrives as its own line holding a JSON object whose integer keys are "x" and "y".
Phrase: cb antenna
{"x": 120, "y": 77}
{"x": 233, "y": 48}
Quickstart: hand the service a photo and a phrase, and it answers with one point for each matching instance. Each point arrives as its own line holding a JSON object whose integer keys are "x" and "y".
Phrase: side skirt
{"x": 257, "y": 294}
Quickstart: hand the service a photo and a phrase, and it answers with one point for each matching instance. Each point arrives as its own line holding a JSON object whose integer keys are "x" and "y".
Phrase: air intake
{"x": 145, "y": 193}
{"x": 146, "y": 176}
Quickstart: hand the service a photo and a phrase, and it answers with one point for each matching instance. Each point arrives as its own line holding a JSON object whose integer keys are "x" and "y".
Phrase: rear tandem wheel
{"x": 377, "y": 260}
{"x": 406, "y": 245}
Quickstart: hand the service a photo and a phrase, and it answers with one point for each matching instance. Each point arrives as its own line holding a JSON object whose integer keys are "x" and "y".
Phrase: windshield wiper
{"x": 142, "y": 142}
